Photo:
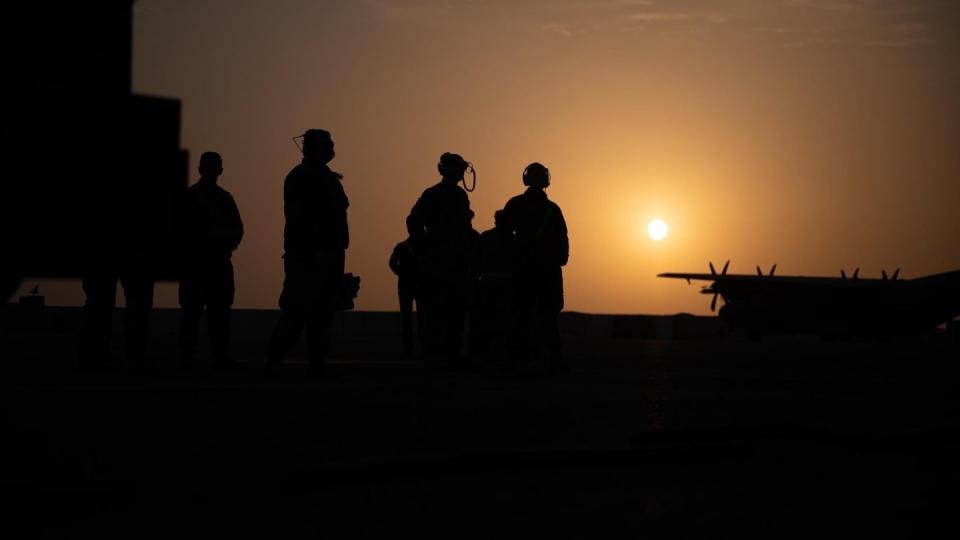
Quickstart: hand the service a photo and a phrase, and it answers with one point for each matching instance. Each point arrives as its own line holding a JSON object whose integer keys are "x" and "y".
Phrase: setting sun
{"x": 657, "y": 229}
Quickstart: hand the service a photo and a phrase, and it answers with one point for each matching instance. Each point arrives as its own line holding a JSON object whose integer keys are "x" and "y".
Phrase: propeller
{"x": 772, "y": 271}
{"x": 884, "y": 274}
{"x": 713, "y": 272}
{"x": 896, "y": 274}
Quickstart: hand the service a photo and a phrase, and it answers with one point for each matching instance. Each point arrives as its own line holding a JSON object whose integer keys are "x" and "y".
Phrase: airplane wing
{"x": 767, "y": 280}
{"x": 688, "y": 277}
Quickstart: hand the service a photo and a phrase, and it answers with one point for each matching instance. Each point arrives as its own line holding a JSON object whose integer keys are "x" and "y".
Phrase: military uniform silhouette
{"x": 100, "y": 289}
{"x": 403, "y": 263}
{"x": 441, "y": 222}
{"x": 120, "y": 244}
{"x": 316, "y": 237}
{"x": 542, "y": 249}
{"x": 492, "y": 268}
{"x": 212, "y": 231}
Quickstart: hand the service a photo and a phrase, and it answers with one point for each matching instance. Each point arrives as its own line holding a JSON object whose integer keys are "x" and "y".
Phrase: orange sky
{"x": 817, "y": 134}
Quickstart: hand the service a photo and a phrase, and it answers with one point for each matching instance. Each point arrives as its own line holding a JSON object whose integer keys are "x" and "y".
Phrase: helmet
{"x": 536, "y": 175}
{"x": 454, "y": 164}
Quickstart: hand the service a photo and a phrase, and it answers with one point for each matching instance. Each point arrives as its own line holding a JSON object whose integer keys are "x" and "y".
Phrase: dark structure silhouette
{"x": 542, "y": 250}
{"x": 404, "y": 263}
{"x": 494, "y": 261}
{"x": 441, "y": 222}
{"x": 832, "y": 307}
{"x": 212, "y": 232}
{"x": 99, "y": 171}
{"x": 316, "y": 237}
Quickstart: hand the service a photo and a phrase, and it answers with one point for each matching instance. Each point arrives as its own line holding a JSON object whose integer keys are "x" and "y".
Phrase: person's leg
{"x": 218, "y": 326}
{"x": 455, "y": 318}
{"x": 292, "y": 312}
{"x": 551, "y": 334}
{"x": 100, "y": 289}
{"x": 405, "y": 293}
{"x": 524, "y": 322}
{"x": 138, "y": 293}
{"x": 191, "y": 305}
{"x": 189, "y": 332}
{"x": 221, "y": 289}
{"x": 324, "y": 291}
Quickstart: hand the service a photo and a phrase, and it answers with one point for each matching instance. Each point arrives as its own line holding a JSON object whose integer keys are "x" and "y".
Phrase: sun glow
{"x": 657, "y": 229}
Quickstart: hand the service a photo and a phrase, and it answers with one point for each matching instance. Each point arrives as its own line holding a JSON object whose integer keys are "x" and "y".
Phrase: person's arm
{"x": 507, "y": 217}
{"x": 235, "y": 231}
{"x": 344, "y": 204}
{"x": 415, "y": 221}
{"x": 395, "y": 259}
{"x": 563, "y": 241}
{"x": 466, "y": 212}
{"x": 191, "y": 228}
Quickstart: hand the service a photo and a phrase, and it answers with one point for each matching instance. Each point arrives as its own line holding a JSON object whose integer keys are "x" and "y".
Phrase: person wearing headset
{"x": 315, "y": 240}
{"x": 543, "y": 248}
{"x": 441, "y": 222}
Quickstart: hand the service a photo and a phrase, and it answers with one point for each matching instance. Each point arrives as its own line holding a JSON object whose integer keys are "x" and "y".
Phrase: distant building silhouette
{"x": 101, "y": 170}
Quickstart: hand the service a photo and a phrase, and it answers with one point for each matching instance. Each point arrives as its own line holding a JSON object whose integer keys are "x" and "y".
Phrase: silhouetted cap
{"x": 317, "y": 140}
{"x": 211, "y": 158}
{"x": 320, "y": 136}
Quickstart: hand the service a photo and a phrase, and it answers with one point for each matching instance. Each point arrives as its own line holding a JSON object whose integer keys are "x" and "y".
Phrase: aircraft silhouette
{"x": 845, "y": 306}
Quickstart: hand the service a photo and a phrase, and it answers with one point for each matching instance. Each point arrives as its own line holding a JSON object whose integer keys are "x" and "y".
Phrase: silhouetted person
{"x": 441, "y": 222}
{"x": 316, "y": 238}
{"x": 542, "y": 249}
{"x": 492, "y": 268}
{"x": 403, "y": 263}
{"x": 120, "y": 244}
{"x": 212, "y": 231}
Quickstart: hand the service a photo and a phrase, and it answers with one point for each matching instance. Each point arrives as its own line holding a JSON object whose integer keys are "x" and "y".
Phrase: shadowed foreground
{"x": 712, "y": 438}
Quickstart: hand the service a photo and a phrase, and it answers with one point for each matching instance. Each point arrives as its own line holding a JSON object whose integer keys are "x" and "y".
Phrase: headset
{"x": 300, "y": 140}
{"x": 467, "y": 166}
{"x": 533, "y": 170}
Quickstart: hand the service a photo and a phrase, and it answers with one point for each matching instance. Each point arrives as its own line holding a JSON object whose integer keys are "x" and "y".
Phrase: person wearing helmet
{"x": 542, "y": 250}
{"x": 315, "y": 240}
{"x": 213, "y": 231}
{"x": 441, "y": 222}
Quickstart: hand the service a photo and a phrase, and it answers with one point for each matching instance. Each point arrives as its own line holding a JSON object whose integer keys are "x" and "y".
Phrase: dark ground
{"x": 711, "y": 438}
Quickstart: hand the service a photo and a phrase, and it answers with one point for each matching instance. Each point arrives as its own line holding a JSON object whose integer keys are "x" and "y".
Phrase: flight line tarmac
{"x": 708, "y": 437}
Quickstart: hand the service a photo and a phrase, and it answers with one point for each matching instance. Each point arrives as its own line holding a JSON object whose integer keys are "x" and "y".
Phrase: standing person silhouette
{"x": 441, "y": 222}
{"x": 403, "y": 263}
{"x": 213, "y": 231}
{"x": 120, "y": 245}
{"x": 492, "y": 270}
{"x": 316, "y": 238}
{"x": 542, "y": 250}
